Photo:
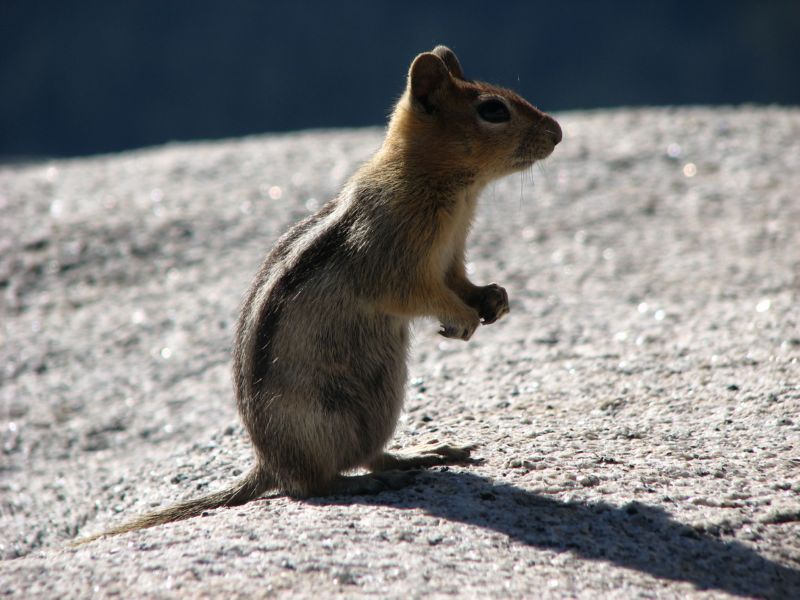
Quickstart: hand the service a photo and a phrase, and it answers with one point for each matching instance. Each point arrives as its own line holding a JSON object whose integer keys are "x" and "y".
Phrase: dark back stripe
{"x": 325, "y": 250}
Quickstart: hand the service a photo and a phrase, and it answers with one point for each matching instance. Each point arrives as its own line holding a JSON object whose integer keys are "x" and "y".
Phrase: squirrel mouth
{"x": 524, "y": 163}
{"x": 532, "y": 150}
{"x": 530, "y": 158}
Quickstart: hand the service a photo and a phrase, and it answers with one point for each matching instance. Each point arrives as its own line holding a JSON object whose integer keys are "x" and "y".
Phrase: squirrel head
{"x": 450, "y": 123}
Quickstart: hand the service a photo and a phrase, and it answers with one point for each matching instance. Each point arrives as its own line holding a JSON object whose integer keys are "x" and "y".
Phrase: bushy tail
{"x": 255, "y": 483}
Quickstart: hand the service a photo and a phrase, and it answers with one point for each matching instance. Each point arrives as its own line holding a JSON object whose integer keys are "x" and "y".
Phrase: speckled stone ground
{"x": 638, "y": 411}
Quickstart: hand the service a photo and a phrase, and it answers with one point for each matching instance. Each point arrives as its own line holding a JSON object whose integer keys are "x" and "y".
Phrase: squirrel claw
{"x": 493, "y": 303}
{"x": 455, "y": 332}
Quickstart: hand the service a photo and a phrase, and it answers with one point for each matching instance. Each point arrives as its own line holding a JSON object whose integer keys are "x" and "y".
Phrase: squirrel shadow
{"x": 635, "y": 536}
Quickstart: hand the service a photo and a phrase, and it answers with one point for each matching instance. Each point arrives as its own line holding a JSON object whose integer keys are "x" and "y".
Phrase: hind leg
{"x": 422, "y": 457}
{"x": 389, "y": 471}
{"x": 315, "y": 481}
{"x": 394, "y": 471}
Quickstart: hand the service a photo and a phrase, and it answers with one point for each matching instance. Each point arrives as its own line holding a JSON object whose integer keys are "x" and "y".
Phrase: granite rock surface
{"x": 638, "y": 412}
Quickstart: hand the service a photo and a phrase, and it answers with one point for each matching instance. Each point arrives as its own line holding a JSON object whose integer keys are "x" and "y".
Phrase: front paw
{"x": 492, "y": 303}
{"x": 461, "y": 330}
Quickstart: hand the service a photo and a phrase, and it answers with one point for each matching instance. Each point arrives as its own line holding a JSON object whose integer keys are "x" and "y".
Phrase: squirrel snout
{"x": 552, "y": 127}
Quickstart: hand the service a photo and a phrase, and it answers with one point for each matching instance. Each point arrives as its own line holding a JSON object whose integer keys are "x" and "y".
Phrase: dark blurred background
{"x": 87, "y": 77}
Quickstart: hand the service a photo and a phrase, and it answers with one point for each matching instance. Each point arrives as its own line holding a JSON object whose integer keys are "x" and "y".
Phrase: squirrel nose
{"x": 554, "y": 129}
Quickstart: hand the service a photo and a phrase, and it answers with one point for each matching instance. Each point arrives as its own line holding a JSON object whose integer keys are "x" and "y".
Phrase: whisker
{"x": 545, "y": 173}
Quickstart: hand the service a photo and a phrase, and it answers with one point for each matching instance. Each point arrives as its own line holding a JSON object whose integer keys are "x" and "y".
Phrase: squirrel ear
{"x": 427, "y": 75}
{"x": 450, "y": 60}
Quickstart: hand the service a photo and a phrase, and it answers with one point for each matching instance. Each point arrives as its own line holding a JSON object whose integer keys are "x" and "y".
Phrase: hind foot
{"x": 424, "y": 456}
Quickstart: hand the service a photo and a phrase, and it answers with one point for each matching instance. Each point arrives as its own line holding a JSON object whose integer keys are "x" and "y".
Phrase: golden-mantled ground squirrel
{"x": 320, "y": 351}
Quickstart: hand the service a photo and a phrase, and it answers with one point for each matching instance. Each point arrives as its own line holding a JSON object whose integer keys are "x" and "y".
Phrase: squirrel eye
{"x": 493, "y": 111}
